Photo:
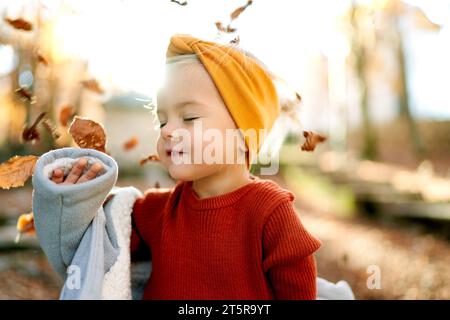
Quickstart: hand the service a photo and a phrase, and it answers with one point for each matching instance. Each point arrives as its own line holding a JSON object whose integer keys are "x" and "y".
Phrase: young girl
{"x": 220, "y": 233}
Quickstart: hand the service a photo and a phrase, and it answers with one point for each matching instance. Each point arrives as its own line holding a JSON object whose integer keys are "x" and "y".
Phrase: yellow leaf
{"x": 16, "y": 171}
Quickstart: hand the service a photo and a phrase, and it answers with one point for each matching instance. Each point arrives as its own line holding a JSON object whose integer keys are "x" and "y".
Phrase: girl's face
{"x": 194, "y": 121}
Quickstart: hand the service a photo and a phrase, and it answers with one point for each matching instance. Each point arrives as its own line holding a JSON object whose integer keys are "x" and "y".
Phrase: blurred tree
{"x": 402, "y": 19}
{"x": 26, "y": 45}
{"x": 46, "y": 80}
{"x": 365, "y": 36}
{"x": 360, "y": 34}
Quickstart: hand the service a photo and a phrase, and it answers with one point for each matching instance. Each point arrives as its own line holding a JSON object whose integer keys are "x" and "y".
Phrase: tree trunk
{"x": 403, "y": 95}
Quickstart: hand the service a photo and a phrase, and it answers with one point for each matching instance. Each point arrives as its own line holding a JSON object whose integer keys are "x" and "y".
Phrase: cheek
{"x": 159, "y": 147}
{"x": 161, "y": 151}
{"x": 197, "y": 143}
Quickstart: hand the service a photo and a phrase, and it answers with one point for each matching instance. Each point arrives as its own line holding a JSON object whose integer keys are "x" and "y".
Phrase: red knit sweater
{"x": 245, "y": 244}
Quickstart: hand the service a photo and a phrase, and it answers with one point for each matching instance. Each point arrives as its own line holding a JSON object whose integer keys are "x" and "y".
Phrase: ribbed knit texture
{"x": 245, "y": 244}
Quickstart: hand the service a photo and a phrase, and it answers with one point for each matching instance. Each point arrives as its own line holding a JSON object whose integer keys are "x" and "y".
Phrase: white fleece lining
{"x": 117, "y": 281}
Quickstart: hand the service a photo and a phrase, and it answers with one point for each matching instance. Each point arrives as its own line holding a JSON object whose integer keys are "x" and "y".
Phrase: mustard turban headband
{"x": 245, "y": 86}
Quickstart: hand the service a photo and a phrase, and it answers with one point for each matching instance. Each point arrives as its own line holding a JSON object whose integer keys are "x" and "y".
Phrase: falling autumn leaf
{"x": 19, "y": 24}
{"x": 42, "y": 59}
{"x": 88, "y": 134}
{"x": 226, "y": 29}
{"x": 312, "y": 140}
{"x": 65, "y": 114}
{"x": 235, "y": 14}
{"x": 131, "y": 143}
{"x": 31, "y": 133}
{"x": 25, "y": 225}
{"x": 235, "y": 41}
{"x": 181, "y": 3}
{"x": 290, "y": 105}
{"x": 25, "y": 94}
{"x": 15, "y": 172}
{"x": 51, "y": 128}
{"x": 92, "y": 85}
{"x": 153, "y": 157}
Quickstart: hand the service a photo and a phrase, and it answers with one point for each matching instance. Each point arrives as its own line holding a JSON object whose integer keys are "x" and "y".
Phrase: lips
{"x": 169, "y": 152}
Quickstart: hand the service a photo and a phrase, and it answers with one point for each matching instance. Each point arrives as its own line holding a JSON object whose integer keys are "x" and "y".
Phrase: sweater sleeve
{"x": 146, "y": 221}
{"x": 288, "y": 258}
{"x": 63, "y": 213}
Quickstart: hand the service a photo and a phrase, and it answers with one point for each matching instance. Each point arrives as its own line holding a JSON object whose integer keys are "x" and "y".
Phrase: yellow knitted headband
{"x": 246, "y": 88}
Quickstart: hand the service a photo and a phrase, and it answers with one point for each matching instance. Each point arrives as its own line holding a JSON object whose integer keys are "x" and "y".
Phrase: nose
{"x": 166, "y": 133}
{"x": 168, "y": 130}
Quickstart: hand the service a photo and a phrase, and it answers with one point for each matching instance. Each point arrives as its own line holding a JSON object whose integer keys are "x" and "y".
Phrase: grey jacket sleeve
{"x": 64, "y": 212}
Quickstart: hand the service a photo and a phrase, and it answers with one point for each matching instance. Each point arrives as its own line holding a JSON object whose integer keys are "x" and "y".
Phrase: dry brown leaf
{"x": 93, "y": 85}
{"x": 26, "y": 94}
{"x": 131, "y": 143}
{"x": 236, "y": 41}
{"x": 65, "y": 114}
{"x": 181, "y": 3}
{"x": 19, "y": 24}
{"x": 236, "y": 13}
{"x": 153, "y": 157}
{"x": 51, "y": 128}
{"x": 31, "y": 133}
{"x": 15, "y": 172}
{"x": 25, "y": 223}
{"x": 42, "y": 59}
{"x": 290, "y": 106}
{"x": 312, "y": 140}
{"x": 226, "y": 29}
{"x": 88, "y": 134}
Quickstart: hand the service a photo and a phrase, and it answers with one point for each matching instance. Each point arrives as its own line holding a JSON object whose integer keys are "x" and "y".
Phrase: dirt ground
{"x": 27, "y": 275}
{"x": 412, "y": 265}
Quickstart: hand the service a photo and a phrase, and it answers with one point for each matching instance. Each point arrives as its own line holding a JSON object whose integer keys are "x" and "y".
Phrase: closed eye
{"x": 188, "y": 119}
{"x": 191, "y": 118}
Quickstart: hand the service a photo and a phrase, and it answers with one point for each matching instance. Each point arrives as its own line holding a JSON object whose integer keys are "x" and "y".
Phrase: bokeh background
{"x": 373, "y": 76}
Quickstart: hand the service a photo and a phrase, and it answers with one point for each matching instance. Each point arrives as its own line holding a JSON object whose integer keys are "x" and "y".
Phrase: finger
{"x": 91, "y": 173}
{"x": 76, "y": 172}
{"x": 57, "y": 176}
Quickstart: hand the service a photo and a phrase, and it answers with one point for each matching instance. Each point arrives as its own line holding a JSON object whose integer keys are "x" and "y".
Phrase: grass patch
{"x": 320, "y": 192}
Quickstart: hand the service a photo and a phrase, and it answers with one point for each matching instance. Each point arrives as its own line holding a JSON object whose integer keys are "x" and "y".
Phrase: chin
{"x": 189, "y": 172}
{"x": 182, "y": 172}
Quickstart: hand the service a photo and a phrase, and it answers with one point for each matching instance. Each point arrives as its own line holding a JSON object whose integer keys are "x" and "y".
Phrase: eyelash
{"x": 191, "y": 119}
{"x": 187, "y": 119}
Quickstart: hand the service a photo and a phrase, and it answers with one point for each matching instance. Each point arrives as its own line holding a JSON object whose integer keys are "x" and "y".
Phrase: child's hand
{"x": 75, "y": 175}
